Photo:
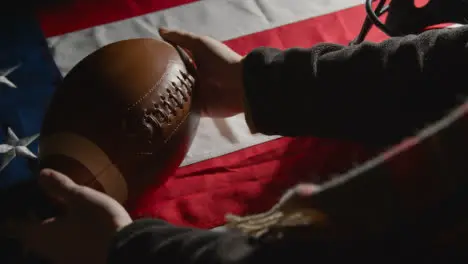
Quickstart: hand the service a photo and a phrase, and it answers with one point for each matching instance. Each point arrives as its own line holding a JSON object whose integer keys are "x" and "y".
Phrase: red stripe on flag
{"x": 251, "y": 180}
{"x": 83, "y": 14}
{"x": 339, "y": 27}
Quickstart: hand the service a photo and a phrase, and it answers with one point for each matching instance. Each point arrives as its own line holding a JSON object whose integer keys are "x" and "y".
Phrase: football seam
{"x": 166, "y": 72}
{"x": 177, "y": 127}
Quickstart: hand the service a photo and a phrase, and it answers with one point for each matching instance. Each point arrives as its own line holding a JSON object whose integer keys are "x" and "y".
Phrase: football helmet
{"x": 406, "y": 17}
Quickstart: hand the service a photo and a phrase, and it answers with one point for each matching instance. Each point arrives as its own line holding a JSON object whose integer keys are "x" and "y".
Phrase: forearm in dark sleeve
{"x": 156, "y": 241}
{"x": 372, "y": 92}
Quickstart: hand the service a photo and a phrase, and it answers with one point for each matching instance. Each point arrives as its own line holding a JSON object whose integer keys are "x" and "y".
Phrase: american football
{"x": 123, "y": 118}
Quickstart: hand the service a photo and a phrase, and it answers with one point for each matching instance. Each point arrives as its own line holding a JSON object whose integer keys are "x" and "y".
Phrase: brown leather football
{"x": 123, "y": 119}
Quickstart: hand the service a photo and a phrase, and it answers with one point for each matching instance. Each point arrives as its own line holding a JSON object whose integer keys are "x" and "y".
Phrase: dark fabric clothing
{"x": 375, "y": 93}
{"x": 372, "y": 93}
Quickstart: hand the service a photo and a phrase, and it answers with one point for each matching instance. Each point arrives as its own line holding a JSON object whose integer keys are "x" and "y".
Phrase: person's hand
{"x": 83, "y": 233}
{"x": 219, "y": 70}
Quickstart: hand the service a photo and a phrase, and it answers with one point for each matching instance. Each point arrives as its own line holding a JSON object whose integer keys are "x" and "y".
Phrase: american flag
{"x": 219, "y": 175}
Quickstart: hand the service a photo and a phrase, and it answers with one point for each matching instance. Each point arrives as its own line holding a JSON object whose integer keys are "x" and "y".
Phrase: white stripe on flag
{"x": 222, "y": 20}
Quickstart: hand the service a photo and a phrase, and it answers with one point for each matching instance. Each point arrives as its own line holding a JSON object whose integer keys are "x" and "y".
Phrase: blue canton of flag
{"x": 28, "y": 76}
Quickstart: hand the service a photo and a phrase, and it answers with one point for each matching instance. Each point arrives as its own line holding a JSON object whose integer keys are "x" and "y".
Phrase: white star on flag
{"x": 4, "y": 77}
{"x": 15, "y": 147}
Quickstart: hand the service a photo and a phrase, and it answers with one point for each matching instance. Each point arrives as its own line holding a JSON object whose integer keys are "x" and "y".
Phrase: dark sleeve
{"x": 372, "y": 92}
{"x": 156, "y": 241}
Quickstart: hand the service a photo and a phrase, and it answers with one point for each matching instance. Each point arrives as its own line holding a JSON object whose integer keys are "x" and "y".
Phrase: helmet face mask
{"x": 406, "y": 17}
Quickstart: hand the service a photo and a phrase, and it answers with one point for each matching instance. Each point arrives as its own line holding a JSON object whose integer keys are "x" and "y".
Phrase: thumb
{"x": 201, "y": 47}
{"x": 57, "y": 185}
{"x": 181, "y": 38}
